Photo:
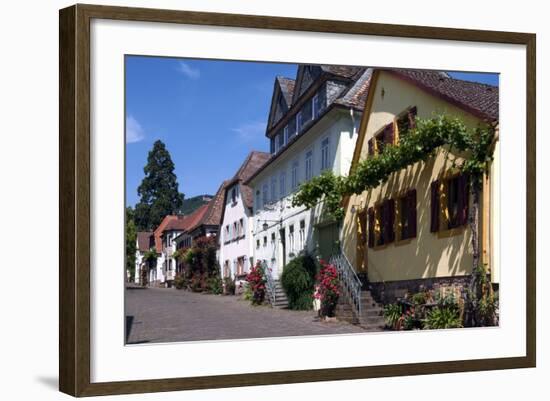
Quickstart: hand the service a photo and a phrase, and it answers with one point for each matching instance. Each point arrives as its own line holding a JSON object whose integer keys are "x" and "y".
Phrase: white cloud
{"x": 134, "y": 130}
{"x": 188, "y": 71}
{"x": 250, "y": 131}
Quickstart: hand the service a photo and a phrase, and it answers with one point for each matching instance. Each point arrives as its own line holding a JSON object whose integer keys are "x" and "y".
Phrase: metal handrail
{"x": 269, "y": 283}
{"x": 349, "y": 281}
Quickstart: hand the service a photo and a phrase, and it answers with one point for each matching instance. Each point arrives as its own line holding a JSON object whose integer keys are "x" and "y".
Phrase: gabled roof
{"x": 354, "y": 97}
{"x": 160, "y": 228}
{"x": 476, "y": 98}
{"x": 254, "y": 161}
{"x": 144, "y": 240}
{"x": 287, "y": 88}
{"x": 211, "y": 216}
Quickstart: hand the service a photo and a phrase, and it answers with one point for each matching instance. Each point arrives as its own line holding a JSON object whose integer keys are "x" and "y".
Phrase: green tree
{"x": 159, "y": 193}
{"x": 131, "y": 235}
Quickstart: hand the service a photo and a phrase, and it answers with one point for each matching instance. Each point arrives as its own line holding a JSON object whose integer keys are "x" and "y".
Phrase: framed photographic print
{"x": 250, "y": 200}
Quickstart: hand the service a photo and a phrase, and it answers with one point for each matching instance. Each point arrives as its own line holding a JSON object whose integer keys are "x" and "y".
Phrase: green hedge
{"x": 298, "y": 281}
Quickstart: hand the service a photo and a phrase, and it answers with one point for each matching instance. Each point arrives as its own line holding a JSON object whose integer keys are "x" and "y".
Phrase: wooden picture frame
{"x": 75, "y": 207}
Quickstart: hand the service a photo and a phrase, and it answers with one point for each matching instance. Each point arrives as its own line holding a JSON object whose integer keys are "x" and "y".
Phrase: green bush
{"x": 247, "y": 292}
{"x": 214, "y": 285}
{"x": 392, "y": 314}
{"x": 180, "y": 282}
{"x": 443, "y": 317}
{"x": 229, "y": 286}
{"x": 298, "y": 281}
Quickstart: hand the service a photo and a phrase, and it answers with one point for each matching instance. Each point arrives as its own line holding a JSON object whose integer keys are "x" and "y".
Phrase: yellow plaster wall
{"x": 427, "y": 255}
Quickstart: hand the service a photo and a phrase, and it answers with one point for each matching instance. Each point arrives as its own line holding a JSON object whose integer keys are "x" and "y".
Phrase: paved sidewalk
{"x": 167, "y": 314}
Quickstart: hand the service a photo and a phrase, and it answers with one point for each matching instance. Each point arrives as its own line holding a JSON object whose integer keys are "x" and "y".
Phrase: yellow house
{"x": 412, "y": 231}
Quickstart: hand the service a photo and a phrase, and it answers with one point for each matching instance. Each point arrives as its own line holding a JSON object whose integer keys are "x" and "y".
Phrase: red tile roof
{"x": 211, "y": 216}
{"x": 479, "y": 99}
{"x": 143, "y": 240}
{"x": 160, "y": 228}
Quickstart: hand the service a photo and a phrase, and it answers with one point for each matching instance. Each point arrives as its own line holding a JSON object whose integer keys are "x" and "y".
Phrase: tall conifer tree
{"x": 159, "y": 194}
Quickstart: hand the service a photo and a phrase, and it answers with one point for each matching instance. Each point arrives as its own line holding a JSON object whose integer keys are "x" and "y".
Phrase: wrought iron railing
{"x": 349, "y": 281}
{"x": 269, "y": 283}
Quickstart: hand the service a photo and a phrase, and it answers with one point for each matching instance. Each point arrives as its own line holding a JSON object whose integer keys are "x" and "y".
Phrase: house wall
{"x": 341, "y": 129}
{"x": 232, "y": 246}
{"x": 429, "y": 255}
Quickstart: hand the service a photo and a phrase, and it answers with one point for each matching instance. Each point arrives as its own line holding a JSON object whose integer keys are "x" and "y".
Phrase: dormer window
{"x": 307, "y": 112}
{"x": 234, "y": 195}
{"x": 292, "y": 128}
{"x": 286, "y": 134}
{"x": 299, "y": 122}
{"x": 281, "y": 137}
{"x": 277, "y": 143}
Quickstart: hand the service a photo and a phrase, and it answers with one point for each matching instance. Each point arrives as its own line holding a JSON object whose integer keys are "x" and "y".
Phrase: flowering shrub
{"x": 329, "y": 288}
{"x": 256, "y": 283}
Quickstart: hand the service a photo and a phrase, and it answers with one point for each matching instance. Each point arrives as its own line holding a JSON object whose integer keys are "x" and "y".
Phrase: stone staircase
{"x": 371, "y": 312}
{"x": 281, "y": 301}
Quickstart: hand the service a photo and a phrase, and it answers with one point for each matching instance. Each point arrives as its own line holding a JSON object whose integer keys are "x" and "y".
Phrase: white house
{"x": 235, "y": 239}
{"x": 144, "y": 242}
{"x": 312, "y": 127}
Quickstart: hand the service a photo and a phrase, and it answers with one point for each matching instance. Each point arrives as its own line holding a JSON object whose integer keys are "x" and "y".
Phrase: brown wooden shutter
{"x": 463, "y": 200}
{"x": 390, "y": 220}
{"x": 371, "y": 146}
{"x": 411, "y": 203}
{"x": 412, "y": 117}
{"x": 371, "y": 227}
{"x": 389, "y": 134}
{"x": 434, "y": 226}
{"x": 363, "y": 224}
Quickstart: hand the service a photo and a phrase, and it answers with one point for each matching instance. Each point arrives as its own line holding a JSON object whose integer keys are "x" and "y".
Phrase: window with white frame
{"x": 273, "y": 189}
{"x": 286, "y": 134}
{"x": 302, "y": 235}
{"x": 325, "y": 153}
{"x": 282, "y": 184}
{"x": 298, "y": 122}
{"x": 281, "y": 139}
{"x": 309, "y": 165}
{"x": 235, "y": 231}
{"x": 264, "y": 194}
{"x": 294, "y": 173}
{"x": 315, "y": 105}
{"x": 241, "y": 228}
{"x": 291, "y": 237}
{"x": 276, "y": 143}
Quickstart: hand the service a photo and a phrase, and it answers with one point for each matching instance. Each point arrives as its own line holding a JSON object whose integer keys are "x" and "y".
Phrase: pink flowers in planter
{"x": 256, "y": 281}
{"x": 329, "y": 288}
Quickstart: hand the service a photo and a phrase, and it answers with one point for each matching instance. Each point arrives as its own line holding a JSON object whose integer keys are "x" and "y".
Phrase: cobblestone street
{"x": 166, "y": 315}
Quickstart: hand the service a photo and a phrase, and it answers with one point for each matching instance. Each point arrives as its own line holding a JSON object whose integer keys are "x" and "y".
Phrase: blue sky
{"x": 210, "y": 115}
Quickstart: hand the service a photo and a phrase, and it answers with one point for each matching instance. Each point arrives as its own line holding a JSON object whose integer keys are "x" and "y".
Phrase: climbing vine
{"x": 417, "y": 144}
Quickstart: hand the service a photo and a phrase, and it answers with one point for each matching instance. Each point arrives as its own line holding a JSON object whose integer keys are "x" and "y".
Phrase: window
{"x": 227, "y": 233}
{"x": 273, "y": 189}
{"x": 282, "y": 184}
{"x": 307, "y": 112}
{"x": 295, "y": 181}
{"x": 406, "y": 121}
{"x": 281, "y": 137}
{"x": 257, "y": 243}
{"x": 272, "y": 145}
{"x": 309, "y": 165}
{"x": 292, "y": 127}
{"x": 241, "y": 228}
{"x": 291, "y": 237}
{"x": 265, "y": 240}
{"x": 325, "y": 154}
{"x": 272, "y": 239}
{"x": 382, "y": 139}
{"x": 406, "y": 215}
{"x": 258, "y": 200}
{"x": 298, "y": 122}
{"x": 302, "y": 235}
{"x": 234, "y": 195}
{"x": 318, "y": 102}
{"x": 277, "y": 143}
{"x": 264, "y": 194}
{"x": 286, "y": 134}
{"x": 449, "y": 203}
{"x": 381, "y": 223}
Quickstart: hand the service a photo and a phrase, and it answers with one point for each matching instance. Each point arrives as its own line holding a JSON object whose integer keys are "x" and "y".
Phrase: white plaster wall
{"x": 235, "y": 248}
{"x": 340, "y": 126}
